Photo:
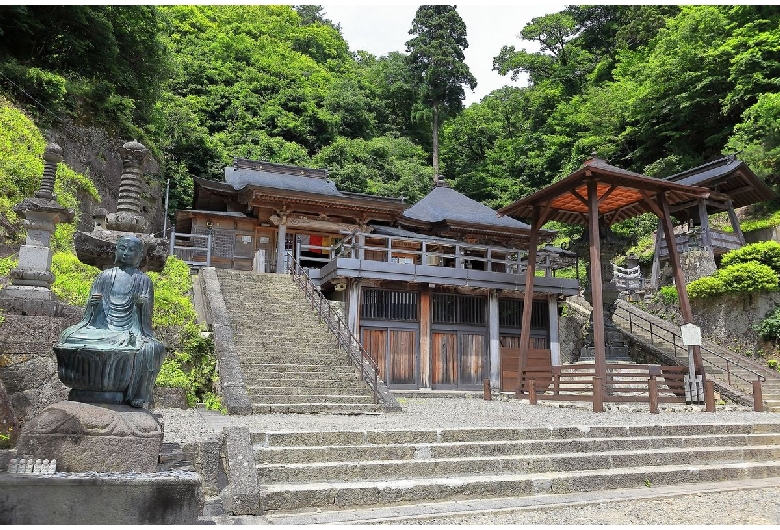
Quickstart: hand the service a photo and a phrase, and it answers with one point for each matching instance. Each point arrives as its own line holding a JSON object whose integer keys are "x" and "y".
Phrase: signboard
{"x": 691, "y": 334}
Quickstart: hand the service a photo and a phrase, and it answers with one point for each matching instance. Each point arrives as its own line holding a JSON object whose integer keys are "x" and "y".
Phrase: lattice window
{"x": 459, "y": 309}
{"x": 510, "y": 313}
{"x": 381, "y": 304}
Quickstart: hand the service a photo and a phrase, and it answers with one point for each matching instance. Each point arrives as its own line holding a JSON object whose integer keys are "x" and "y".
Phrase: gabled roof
{"x": 267, "y": 175}
{"x": 621, "y": 195}
{"x": 730, "y": 176}
{"x": 444, "y": 204}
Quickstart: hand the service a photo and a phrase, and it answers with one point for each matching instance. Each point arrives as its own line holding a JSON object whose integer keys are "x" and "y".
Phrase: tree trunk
{"x": 435, "y": 141}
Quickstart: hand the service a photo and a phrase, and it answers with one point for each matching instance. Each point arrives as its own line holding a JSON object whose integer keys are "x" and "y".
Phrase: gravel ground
{"x": 452, "y": 413}
{"x": 741, "y": 506}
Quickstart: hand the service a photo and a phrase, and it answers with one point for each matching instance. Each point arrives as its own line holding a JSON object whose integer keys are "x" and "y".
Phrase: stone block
{"x": 100, "y": 498}
{"x": 34, "y": 258}
{"x": 84, "y": 437}
{"x": 167, "y": 397}
{"x": 242, "y": 496}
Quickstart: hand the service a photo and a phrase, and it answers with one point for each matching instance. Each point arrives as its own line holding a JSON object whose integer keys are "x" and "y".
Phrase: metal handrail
{"x": 345, "y": 339}
{"x": 676, "y": 343}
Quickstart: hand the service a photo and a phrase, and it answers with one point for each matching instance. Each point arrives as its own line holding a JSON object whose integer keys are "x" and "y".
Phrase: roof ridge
{"x": 283, "y": 169}
{"x": 700, "y": 168}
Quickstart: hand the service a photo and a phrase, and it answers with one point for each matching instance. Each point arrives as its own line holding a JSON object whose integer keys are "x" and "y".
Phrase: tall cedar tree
{"x": 436, "y": 60}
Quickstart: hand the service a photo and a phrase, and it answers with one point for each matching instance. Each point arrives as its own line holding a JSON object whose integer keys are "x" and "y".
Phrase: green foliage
{"x": 773, "y": 364}
{"x": 769, "y": 328}
{"x": 766, "y": 252}
{"x": 73, "y": 279}
{"x": 668, "y": 295}
{"x": 737, "y": 277}
{"x": 6, "y": 264}
{"x": 705, "y": 287}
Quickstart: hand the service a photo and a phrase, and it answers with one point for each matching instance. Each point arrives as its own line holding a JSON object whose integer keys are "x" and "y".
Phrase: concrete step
{"x": 315, "y": 408}
{"x": 509, "y": 464}
{"x": 321, "y": 397}
{"x": 412, "y": 451}
{"x": 304, "y": 383}
{"x": 435, "y": 488}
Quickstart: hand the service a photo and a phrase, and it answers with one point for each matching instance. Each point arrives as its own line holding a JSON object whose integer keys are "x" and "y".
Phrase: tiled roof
{"x": 700, "y": 175}
{"x": 444, "y": 203}
{"x": 241, "y": 177}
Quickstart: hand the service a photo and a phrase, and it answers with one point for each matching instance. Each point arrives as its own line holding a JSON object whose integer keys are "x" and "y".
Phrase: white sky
{"x": 380, "y": 29}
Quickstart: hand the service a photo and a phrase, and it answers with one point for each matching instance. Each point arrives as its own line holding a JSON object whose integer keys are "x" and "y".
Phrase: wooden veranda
{"x": 599, "y": 195}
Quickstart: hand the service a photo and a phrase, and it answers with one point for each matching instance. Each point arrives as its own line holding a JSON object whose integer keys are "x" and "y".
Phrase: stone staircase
{"x": 309, "y": 477}
{"x": 288, "y": 358}
{"x": 741, "y": 370}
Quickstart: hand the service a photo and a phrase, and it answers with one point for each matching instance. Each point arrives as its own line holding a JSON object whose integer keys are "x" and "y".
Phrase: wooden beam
{"x": 596, "y": 287}
{"x": 528, "y": 297}
{"x": 735, "y": 223}
{"x": 425, "y": 336}
{"x": 654, "y": 276}
{"x": 649, "y": 200}
{"x": 607, "y": 193}
{"x": 679, "y": 279}
{"x": 580, "y": 197}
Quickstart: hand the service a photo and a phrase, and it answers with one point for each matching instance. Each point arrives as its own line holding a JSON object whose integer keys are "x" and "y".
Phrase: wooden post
{"x": 656, "y": 272}
{"x": 679, "y": 279}
{"x": 532, "y": 391}
{"x": 494, "y": 338}
{"x": 704, "y": 221}
{"x": 653, "y": 390}
{"x": 425, "y": 336}
{"x": 735, "y": 223}
{"x": 555, "y": 344}
{"x": 596, "y": 287}
{"x": 486, "y": 394}
{"x": 528, "y": 297}
{"x": 598, "y": 397}
{"x": 709, "y": 396}
{"x": 758, "y": 400}
{"x": 280, "y": 237}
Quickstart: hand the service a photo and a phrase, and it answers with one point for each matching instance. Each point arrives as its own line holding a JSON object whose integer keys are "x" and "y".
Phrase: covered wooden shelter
{"x": 599, "y": 194}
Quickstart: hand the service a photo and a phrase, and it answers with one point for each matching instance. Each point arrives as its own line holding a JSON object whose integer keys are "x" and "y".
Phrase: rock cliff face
{"x": 95, "y": 153}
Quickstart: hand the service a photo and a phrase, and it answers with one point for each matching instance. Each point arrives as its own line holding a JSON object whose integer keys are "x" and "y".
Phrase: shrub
{"x": 668, "y": 295}
{"x": 773, "y": 364}
{"x": 748, "y": 277}
{"x": 73, "y": 279}
{"x": 706, "y": 287}
{"x": 769, "y": 328}
{"x": 766, "y": 252}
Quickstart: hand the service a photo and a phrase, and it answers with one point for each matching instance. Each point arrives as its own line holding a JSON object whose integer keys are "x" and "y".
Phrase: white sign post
{"x": 694, "y": 388}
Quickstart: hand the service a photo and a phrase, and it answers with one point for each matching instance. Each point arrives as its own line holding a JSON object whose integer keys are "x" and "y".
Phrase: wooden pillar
{"x": 280, "y": 237}
{"x": 353, "y": 306}
{"x": 655, "y": 275}
{"x": 596, "y": 286}
{"x": 704, "y": 221}
{"x": 679, "y": 278}
{"x": 495, "y": 340}
{"x": 555, "y": 345}
{"x": 735, "y": 223}
{"x": 528, "y": 298}
{"x": 361, "y": 241}
{"x": 425, "y": 336}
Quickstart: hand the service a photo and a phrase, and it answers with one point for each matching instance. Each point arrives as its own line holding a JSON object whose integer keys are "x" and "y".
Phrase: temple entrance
{"x": 459, "y": 359}
{"x": 395, "y": 352}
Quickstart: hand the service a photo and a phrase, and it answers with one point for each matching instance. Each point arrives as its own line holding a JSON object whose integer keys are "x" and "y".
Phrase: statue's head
{"x": 129, "y": 251}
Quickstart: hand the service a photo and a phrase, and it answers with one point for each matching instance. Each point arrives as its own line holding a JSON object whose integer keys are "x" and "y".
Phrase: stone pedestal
{"x": 84, "y": 437}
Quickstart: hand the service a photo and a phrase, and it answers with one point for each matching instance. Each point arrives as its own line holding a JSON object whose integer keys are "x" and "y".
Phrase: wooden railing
{"x": 720, "y": 240}
{"x": 738, "y": 374}
{"x": 625, "y": 383}
{"x": 196, "y": 252}
{"x": 441, "y": 253}
{"x": 345, "y": 339}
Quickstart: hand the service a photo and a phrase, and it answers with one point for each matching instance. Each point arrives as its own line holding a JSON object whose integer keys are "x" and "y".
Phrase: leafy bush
{"x": 773, "y": 364}
{"x": 769, "y": 328}
{"x": 668, "y": 295}
{"x": 73, "y": 279}
{"x": 766, "y": 252}
{"x": 748, "y": 277}
{"x": 706, "y": 287}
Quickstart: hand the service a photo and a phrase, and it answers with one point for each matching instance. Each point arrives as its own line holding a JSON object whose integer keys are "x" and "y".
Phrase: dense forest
{"x": 654, "y": 89}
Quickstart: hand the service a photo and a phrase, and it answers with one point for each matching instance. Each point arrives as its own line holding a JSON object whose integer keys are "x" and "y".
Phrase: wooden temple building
{"x": 433, "y": 290}
{"x": 732, "y": 185}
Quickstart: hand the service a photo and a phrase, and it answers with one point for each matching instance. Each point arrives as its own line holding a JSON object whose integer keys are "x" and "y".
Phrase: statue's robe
{"x": 121, "y": 320}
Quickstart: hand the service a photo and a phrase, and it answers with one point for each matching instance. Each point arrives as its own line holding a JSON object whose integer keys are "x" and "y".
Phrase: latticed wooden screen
{"x": 379, "y": 304}
{"x": 459, "y": 309}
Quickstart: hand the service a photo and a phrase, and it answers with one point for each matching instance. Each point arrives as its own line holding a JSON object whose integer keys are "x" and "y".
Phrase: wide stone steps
{"x": 288, "y": 358}
{"x": 315, "y": 408}
{"x": 351, "y": 469}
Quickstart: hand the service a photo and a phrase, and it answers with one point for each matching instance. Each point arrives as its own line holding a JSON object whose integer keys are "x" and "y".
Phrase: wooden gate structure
{"x": 599, "y": 195}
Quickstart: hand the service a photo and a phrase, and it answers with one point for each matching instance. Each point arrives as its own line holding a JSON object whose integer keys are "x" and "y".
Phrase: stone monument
{"x": 96, "y": 248}
{"x": 110, "y": 361}
{"x": 30, "y": 290}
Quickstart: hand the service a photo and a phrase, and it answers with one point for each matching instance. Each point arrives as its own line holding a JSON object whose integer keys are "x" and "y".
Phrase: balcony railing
{"x": 721, "y": 242}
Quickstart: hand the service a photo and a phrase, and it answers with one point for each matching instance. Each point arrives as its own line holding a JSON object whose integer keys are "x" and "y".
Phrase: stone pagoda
{"x": 97, "y": 247}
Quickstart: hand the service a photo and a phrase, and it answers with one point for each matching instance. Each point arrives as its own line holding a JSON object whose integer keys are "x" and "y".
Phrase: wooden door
{"x": 472, "y": 360}
{"x": 402, "y": 356}
{"x": 444, "y": 359}
{"x": 375, "y": 342}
